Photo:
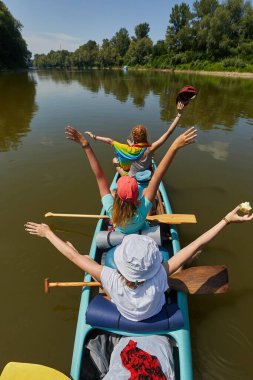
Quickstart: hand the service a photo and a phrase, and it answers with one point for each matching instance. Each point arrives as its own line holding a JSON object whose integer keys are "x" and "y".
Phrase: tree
{"x": 205, "y": 8}
{"x": 179, "y": 33}
{"x": 203, "y": 13}
{"x": 86, "y": 55}
{"x": 121, "y": 42}
{"x": 159, "y": 48}
{"x": 13, "y": 48}
{"x": 142, "y": 30}
{"x": 139, "y": 52}
{"x": 107, "y": 54}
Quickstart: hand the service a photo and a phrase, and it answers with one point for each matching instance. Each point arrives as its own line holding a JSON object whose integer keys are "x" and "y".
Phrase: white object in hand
{"x": 245, "y": 207}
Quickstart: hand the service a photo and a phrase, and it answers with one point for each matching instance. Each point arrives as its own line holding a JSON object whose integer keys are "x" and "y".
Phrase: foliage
{"x": 212, "y": 35}
{"x": 13, "y": 48}
{"x": 120, "y": 42}
{"x": 142, "y": 31}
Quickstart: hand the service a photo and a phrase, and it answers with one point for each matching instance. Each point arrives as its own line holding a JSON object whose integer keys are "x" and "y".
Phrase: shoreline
{"x": 231, "y": 74}
{"x": 227, "y": 74}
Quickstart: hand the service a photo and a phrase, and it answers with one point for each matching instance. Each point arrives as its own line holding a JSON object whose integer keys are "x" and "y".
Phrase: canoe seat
{"x": 104, "y": 314}
{"x": 109, "y": 258}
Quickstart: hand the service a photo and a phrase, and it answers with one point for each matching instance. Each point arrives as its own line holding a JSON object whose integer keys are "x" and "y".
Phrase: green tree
{"x": 179, "y": 32}
{"x": 205, "y": 8}
{"x": 139, "y": 52}
{"x": 203, "y": 13}
{"x": 120, "y": 42}
{"x": 86, "y": 55}
{"x": 107, "y": 54}
{"x": 142, "y": 30}
{"x": 159, "y": 48}
{"x": 13, "y": 48}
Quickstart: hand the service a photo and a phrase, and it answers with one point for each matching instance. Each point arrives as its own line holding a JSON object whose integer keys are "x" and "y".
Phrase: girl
{"x": 137, "y": 155}
{"x": 128, "y": 214}
{"x": 137, "y": 286}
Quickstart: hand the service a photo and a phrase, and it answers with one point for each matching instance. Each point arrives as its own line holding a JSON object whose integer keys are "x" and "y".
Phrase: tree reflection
{"x": 17, "y": 99}
{"x": 220, "y": 102}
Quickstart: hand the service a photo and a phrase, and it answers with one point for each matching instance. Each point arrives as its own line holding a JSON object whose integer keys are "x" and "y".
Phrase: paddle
{"x": 162, "y": 218}
{"x": 195, "y": 280}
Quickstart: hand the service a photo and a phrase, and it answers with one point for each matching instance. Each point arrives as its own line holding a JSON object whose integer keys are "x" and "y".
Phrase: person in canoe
{"x": 137, "y": 287}
{"x": 127, "y": 212}
{"x": 136, "y": 156}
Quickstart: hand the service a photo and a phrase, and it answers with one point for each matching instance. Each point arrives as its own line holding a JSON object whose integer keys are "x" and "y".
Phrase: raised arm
{"x": 106, "y": 140}
{"x": 186, "y": 138}
{"x": 74, "y": 135}
{"x": 82, "y": 261}
{"x": 164, "y": 137}
{"x": 186, "y": 253}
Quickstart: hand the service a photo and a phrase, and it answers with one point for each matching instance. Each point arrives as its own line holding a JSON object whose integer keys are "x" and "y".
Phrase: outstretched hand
{"x": 72, "y": 134}
{"x": 186, "y": 138}
{"x": 37, "y": 229}
{"x": 180, "y": 106}
{"x": 233, "y": 217}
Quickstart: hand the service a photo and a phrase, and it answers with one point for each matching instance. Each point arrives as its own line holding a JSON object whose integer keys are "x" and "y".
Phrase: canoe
{"x": 180, "y": 336}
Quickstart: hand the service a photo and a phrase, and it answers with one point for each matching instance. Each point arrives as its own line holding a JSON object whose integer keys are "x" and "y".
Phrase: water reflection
{"x": 50, "y": 174}
{"x": 219, "y": 150}
{"x": 221, "y": 101}
{"x": 17, "y": 99}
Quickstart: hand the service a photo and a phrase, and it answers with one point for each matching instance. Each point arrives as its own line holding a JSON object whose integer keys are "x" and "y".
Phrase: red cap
{"x": 186, "y": 94}
{"x": 127, "y": 189}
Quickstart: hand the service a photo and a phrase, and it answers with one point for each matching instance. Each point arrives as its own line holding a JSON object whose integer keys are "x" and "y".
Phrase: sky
{"x": 67, "y": 24}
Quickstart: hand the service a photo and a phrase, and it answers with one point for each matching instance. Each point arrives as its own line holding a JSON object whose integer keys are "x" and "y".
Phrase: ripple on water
{"x": 225, "y": 360}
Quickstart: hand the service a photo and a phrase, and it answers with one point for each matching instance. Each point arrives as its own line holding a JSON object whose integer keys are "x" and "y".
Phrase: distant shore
{"x": 232, "y": 74}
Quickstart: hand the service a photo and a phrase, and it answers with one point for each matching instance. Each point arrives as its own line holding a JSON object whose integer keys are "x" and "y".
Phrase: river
{"x": 41, "y": 171}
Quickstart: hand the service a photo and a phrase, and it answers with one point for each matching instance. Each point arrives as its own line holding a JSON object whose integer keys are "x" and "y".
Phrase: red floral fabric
{"x": 141, "y": 364}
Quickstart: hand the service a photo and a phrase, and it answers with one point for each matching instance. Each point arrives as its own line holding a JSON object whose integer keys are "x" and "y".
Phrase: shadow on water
{"x": 17, "y": 99}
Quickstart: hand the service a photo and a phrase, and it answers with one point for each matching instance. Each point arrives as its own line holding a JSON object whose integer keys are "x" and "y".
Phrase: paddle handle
{"x": 76, "y": 215}
{"x": 48, "y": 284}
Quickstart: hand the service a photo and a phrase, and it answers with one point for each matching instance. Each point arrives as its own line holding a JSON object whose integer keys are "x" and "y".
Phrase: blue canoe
{"x": 181, "y": 336}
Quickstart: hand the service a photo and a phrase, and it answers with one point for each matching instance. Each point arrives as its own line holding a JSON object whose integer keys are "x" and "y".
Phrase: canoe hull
{"x": 183, "y": 356}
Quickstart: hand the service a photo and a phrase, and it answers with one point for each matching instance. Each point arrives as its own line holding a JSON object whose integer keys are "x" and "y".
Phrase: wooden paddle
{"x": 162, "y": 218}
{"x": 195, "y": 280}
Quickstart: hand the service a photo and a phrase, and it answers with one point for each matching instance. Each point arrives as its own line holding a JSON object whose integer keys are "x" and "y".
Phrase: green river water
{"x": 41, "y": 171}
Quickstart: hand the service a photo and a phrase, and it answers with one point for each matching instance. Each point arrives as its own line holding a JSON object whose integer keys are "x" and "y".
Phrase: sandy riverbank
{"x": 231, "y": 74}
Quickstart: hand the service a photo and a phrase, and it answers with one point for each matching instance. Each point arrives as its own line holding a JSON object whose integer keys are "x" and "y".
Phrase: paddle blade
{"x": 201, "y": 280}
{"x": 173, "y": 218}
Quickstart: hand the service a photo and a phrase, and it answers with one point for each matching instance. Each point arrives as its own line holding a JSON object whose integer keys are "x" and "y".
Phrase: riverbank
{"x": 232, "y": 74}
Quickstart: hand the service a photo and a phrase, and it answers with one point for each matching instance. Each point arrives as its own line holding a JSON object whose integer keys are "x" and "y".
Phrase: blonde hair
{"x": 139, "y": 134}
{"x": 122, "y": 211}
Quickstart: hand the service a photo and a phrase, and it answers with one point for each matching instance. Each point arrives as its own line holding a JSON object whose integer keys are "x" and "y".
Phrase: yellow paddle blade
{"x": 29, "y": 371}
{"x": 173, "y": 218}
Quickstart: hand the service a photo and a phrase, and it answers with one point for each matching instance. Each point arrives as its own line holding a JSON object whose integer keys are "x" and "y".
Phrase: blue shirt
{"x": 138, "y": 221}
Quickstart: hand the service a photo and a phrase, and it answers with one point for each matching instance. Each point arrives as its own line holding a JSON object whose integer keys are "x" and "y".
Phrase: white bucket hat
{"x": 138, "y": 258}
